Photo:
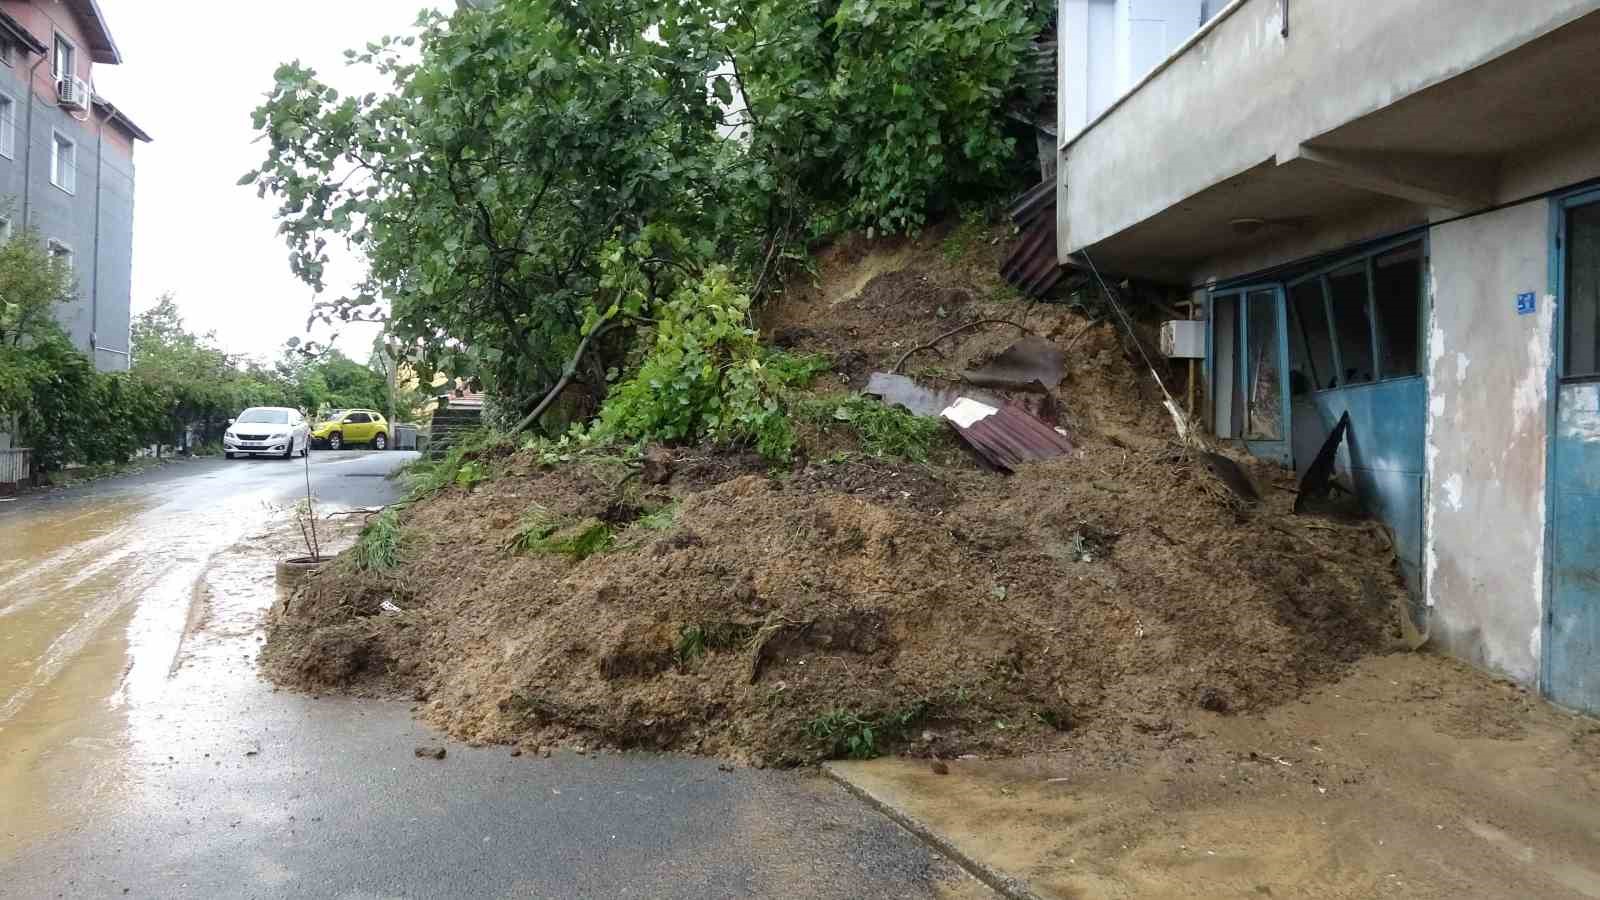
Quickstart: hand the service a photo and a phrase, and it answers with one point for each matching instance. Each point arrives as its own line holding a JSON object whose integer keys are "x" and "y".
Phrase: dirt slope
{"x": 861, "y": 605}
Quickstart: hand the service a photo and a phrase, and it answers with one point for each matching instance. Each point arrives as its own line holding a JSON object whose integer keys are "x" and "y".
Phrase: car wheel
{"x": 335, "y": 441}
{"x": 380, "y": 442}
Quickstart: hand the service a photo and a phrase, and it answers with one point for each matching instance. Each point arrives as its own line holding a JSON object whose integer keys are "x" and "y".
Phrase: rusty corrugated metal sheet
{"x": 1005, "y": 436}
{"x": 1032, "y": 267}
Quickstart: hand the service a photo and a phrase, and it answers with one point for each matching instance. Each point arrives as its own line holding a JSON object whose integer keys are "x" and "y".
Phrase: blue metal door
{"x": 1248, "y": 349}
{"x": 1572, "y": 622}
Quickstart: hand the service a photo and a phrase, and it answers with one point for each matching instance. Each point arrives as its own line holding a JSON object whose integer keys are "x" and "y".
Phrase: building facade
{"x": 66, "y": 162}
{"x": 1389, "y": 209}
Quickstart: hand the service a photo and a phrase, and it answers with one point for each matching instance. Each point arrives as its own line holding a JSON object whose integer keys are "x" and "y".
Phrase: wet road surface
{"x": 141, "y": 755}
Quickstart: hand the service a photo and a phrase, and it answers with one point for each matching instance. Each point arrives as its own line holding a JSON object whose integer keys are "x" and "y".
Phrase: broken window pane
{"x": 1583, "y": 292}
{"x": 1347, "y": 290}
{"x": 1264, "y": 386}
{"x": 1310, "y": 344}
{"x": 1397, "y": 299}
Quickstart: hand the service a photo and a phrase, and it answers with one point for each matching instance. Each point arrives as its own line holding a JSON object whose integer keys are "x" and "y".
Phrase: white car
{"x": 267, "y": 431}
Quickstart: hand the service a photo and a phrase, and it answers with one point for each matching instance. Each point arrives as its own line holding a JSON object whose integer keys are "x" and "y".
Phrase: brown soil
{"x": 951, "y": 609}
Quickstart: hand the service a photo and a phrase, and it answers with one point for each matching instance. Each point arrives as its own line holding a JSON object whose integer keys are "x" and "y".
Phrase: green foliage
{"x": 516, "y": 141}
{"x": 660, "y": 519}
{"x": 544, "y": 178}
{"x": 702, "y": 375}
{"x": 846, "y": 734}
{"x": 884, "y": 431}
{"x": 578, "y": 542}
{"x": 65, "y": 410}
{"x": 428, "y": 476}
{"x": 536, "y": 526}
{"x": 876, "y": 110}
{"x": 795, "y": 370}
{"x": 850, "y": 734}
{"x": 691, "y": 644}
{"x": 378, "y": 548}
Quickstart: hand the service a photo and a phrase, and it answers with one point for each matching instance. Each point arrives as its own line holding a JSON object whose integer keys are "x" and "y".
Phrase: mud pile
{"x": 855, "y": 605}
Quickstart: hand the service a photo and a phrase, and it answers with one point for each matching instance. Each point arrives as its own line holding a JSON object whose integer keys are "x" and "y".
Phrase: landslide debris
{"x": 852, "y": 605}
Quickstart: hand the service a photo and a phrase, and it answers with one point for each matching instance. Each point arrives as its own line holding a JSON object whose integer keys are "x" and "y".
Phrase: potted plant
{"x": 293, "y": 570}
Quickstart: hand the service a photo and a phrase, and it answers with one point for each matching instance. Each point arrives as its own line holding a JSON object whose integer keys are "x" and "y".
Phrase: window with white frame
{"x": 60, "y": 253}
{"x": 64, "y": 164}
{"x": 5, "y": 51}
{"x": 64, "y": 58}
{"x": 8, "y": 127}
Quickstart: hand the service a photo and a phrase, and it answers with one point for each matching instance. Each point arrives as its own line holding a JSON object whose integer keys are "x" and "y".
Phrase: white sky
{"x": 191, "y": 75}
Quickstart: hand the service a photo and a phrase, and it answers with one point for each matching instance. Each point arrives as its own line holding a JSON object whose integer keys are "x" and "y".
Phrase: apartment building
{"x": 66, "y": 162}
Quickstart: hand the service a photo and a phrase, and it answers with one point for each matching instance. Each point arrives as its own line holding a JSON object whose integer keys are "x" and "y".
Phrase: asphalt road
{"x": 141, "y": 755}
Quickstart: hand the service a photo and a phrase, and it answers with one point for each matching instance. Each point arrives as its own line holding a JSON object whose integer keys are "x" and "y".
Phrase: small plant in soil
{"x": 578, "y": 542}
{"x": 796, "y": 370}
{"x": 884, "y": 431}
{"x": 691, "y": 644}
{"x": 378, "y": 548}
{"x": 660, "y": 519}
{"x": 846, "y": 734}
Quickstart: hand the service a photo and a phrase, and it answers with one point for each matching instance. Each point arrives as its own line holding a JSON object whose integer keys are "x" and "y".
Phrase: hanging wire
{"x": 1185, "y": 432}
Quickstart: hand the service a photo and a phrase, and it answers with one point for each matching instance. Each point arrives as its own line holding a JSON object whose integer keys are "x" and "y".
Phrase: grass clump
{"x": 539, "y": 534}
{"x": 378, "y": 547}
{"x": 795, "y": 370}
{"x": 850, "y": 734}
{"x": 884, "y": 431}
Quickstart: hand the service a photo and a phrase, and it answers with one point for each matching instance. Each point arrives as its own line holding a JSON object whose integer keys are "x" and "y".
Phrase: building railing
{"x": 16, "y": 468}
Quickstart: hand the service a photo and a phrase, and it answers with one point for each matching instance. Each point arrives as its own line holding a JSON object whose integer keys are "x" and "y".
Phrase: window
{"x": 1311, "y": 348}
{"x": 61, "y": 253}
{"x": 5, "y": 52}
{"x": 1264, "y": 391}
{"x": 64, "y": 164}
{"x": 5, "y": 228}
{"x": 63, "y": 61}
{"x": 357, "y": 419}
{"x": 1582, "y": 340}
{"x": 1397, "y": 301}
{"x": 8, "y": 127}
{"x": 1348, "y": 295}
{"x": 1386, "y": 287}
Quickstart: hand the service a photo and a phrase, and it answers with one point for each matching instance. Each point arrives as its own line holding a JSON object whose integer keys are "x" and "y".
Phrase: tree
{"x": 483, "y": 188}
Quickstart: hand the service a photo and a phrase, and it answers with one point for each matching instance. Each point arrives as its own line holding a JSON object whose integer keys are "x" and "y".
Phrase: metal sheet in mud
{"x": 1031, "y": 364}
{"x": 932, "y": 398}
{"x": 1005, "y": 436}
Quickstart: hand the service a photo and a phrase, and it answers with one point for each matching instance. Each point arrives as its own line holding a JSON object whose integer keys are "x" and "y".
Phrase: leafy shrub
{"x": 702, "y": 375}
{"x": 880, "y": 108}
{"x": 378, "y": 548}
{"x": 884, "y": 431}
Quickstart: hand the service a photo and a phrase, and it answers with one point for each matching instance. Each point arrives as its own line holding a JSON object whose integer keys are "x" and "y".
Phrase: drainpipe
{"x": 94, "y": 263}
{"x": 27, "y": 137}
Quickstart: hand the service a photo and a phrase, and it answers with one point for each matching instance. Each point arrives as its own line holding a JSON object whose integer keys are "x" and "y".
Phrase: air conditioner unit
{"x": 1183, "y": 339}
{"x": 73, "y": 93}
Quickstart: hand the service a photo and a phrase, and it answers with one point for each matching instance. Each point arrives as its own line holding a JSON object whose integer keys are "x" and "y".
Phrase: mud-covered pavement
{"x": 141, "y": 753}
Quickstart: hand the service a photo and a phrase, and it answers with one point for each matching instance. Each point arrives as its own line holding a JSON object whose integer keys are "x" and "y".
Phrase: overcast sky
{"x": 191, "y": 75}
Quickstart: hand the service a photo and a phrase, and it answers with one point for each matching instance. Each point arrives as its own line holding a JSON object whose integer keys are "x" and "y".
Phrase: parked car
{"x": 353, "y": 426}
{"x": 267, "y": 431}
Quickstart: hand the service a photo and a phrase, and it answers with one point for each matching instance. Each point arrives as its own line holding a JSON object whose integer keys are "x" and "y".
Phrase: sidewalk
{"x": 1414, "y": 776}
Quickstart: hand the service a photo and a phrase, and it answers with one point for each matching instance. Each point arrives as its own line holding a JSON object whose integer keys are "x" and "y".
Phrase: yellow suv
{"x": 349, "y": 427}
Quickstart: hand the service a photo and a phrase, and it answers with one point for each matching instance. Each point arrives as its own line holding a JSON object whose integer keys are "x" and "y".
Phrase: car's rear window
{"x": 265, "y": 416}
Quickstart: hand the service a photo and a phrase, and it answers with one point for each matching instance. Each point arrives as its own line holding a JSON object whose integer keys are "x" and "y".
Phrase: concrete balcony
{"x": 1284, "y": 128}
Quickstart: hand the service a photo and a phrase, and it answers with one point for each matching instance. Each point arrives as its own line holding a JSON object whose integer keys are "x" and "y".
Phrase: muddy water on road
{"x": 95, "y": 597}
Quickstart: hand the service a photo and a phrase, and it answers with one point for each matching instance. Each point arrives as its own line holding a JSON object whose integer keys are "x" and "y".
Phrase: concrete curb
{"x": 1000, "y": 882}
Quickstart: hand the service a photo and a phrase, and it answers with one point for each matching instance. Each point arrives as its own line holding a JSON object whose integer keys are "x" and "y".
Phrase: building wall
{"x": 1488, "y": 409}
{"x": 96, "y": 219}
{"x": 1243, "y": 96}
{"x": 1108, "y": 45}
